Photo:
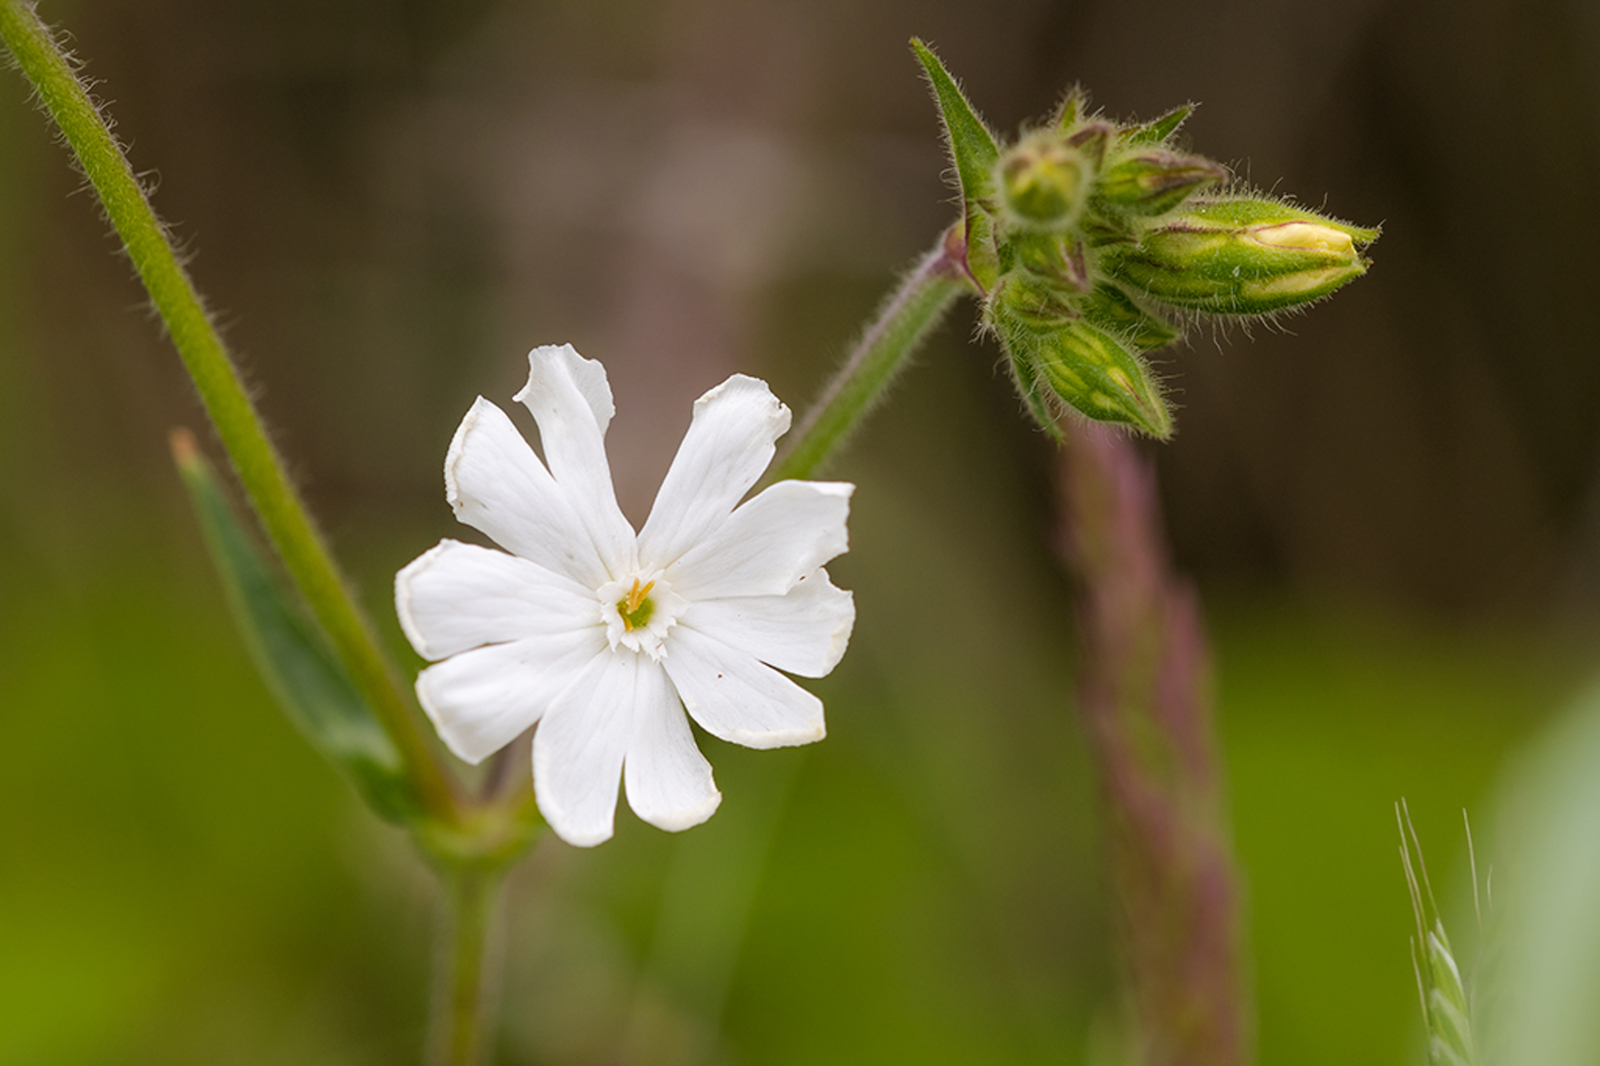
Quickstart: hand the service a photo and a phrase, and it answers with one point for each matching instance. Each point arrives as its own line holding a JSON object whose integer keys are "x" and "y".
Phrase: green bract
{"x": 1090, "y": 240}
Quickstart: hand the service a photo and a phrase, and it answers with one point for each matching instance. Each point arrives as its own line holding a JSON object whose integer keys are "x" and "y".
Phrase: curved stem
{"x": 205, "y": 356}
{"x": 918, "y": 304}
{"x": 461, "y": 1030}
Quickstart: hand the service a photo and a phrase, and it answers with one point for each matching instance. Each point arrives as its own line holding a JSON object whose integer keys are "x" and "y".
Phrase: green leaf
{"x": 975, "y": 153}
{"x": 309, "y": 682}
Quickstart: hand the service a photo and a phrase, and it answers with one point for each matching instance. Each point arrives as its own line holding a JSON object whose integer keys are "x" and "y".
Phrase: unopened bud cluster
{"x": 1091, "y": 241}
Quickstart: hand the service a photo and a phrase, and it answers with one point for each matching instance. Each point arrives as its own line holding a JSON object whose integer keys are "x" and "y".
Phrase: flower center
{"x": 636, "y": 607}
{"x": 639, "y": 611}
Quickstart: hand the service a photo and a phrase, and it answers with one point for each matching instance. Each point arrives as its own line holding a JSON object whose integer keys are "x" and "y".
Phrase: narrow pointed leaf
{"x": 310, "y": 684}
{"x": 971, "y": 144}
{"x": 975, "y": 154}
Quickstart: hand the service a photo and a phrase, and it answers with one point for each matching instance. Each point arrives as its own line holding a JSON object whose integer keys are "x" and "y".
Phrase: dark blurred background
{"x": 1390, "y": 504}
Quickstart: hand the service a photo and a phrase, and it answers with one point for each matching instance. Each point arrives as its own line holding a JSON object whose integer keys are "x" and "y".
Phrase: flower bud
{"x": 1043, "y": 180}
{"x": 1156, "y": 181}
{"x": 1080, "y": 365}
{"x": 1243, "y": 257}
{"x": 1093, "y": 372}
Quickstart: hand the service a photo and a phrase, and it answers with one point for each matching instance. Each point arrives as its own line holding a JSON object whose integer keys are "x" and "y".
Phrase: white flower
{"x": 605, "y": 637}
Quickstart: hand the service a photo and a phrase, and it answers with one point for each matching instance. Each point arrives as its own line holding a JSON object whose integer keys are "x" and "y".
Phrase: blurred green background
{"x": 1390, "y": 505}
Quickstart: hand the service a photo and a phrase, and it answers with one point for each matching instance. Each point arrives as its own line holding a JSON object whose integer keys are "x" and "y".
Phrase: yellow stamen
{"x": 630, "y": 605}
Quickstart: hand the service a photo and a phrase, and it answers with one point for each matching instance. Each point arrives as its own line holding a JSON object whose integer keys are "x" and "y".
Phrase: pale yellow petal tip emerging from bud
{"x": 1305, "y": 283}
{"x": 1305, "y": 236}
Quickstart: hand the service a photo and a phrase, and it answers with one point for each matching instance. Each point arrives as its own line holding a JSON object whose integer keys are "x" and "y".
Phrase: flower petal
{"x": 768, "y": 544}
{"x": 669, "y": 782}
{"x": 803, "y": 632}
{"x": 729, "y": 443}
{"x": 571, "y": 400}
{"x": 495, "y": 483}
{"x": 481, "y": 699}
{"x": 738, "y": 699}
{"x": 459, "y": 596}
{"x": 580, "y": 745}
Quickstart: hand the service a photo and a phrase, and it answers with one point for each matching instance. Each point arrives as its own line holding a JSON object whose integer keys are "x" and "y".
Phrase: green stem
{"x": 920, "y": 303}
{"x": 463, "y": 1005}
{"x": 205, "y": 356}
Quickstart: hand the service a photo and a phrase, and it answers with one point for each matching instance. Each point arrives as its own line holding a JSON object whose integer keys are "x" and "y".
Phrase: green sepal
{"x": 1055, "y": 259}
{"x": 1155, "y": 181}
{"x": 1074, "y": 108}
{"x": 309, "y": 682}
{"x": 975, "y": 153}
{"x": 982, "y": 248}
{"x": 1114, "y": 311}
{"x": 1100, "y": 230}
{"x": 1242, "y": 211}
{"x": 1158, "y": 130}
{"x": 1035, "y": 395}
{"x": 1093, "y": 139}
{"x": 1037, "y": 303}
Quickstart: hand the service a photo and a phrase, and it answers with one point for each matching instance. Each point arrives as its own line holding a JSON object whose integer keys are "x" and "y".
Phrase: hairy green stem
{"x": 462, "y": 1030}
{"x": 64, "y": 95}
{"x": 919, "y": 304}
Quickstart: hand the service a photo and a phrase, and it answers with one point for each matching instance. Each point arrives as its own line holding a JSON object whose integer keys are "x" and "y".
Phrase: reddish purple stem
{"x": 1144, "y": 697}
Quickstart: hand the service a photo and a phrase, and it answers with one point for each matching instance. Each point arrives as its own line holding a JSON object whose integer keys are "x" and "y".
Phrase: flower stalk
{"x": 283, "y": 516}
{"x": 460, "y": 1033}
{"x": 905, "y": 319}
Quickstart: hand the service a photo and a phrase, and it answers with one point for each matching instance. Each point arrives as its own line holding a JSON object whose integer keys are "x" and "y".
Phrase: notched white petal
{"x": 668, "y": 781}
{"x": 804, "y": 632}
{"x": 769, "y": 543}
{"x": 588, "y": 376}
{"x": 730, "y": 442}
{"x": 459, "y": 596}
{"x": 481, "y": 699}
{"x": 738, "y": 699}
{"x": 571, "y": 401}
{"x": 580, "y": 745}
{"x": 495, "y": 483}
